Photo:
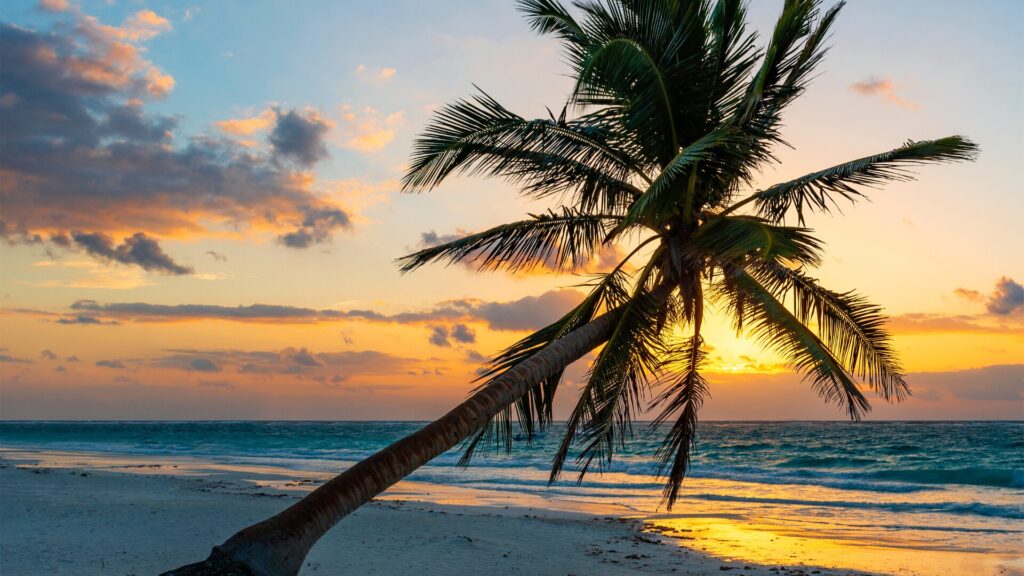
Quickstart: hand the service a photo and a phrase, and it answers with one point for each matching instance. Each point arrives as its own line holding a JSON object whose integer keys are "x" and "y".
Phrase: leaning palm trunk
{"x": 278, "y": 546}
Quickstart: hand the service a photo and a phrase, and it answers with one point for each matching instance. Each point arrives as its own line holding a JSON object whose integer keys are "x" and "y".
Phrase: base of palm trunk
{"x": 218, "y": 564}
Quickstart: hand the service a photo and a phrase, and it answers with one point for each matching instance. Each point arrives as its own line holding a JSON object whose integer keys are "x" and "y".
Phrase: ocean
{"x": 885, "y": 494}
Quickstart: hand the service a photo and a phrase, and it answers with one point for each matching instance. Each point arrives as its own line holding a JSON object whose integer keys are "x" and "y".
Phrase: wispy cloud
{"x": 54, "y": 5}
{"x": 13, "y": 360}
{"x": 382, "y": 73}
{"x": 77, "y": 273}
{"x": 527, "y": 313}
{"x": 86, "y": 320}
{"x": 248, "y": 125}
{"x": 302, "y": 362}
{"x": 367, "y": 129}
{"x": 929, "y": 323}
{"x": 1006, "y": 298}
{"x": 884, "y": 88}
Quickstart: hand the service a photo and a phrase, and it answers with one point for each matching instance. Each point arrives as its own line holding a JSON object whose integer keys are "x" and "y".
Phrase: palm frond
{"x": 682, "y": 400}
{"x": 796, "y": 47}
{"x": 623, "y": 68}
{"x": 738, "y": 239}
{"x": 812, "y": 52}
{"x": 543, "y": 156}
{"x": 755, "y": 309}
{"x": 618, "y": 380}
{"x": 645, "y": 66}
{"x": 852, "y": 327}
{"x": 562, "y": 241}
{"x": 550, "y": 17}
{"x": 664, "y": 197}
{"x": 534, "y": 410}
{"x": 732, "y": 54}
{"x": 819, "y": 191}
{"x": 779, "y": 60}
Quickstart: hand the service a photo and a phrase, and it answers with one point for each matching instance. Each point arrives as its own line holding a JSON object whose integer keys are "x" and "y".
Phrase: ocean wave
{"x": 334, "y": 459}
{"x": 999, "y": 478}
{"x": 963, "y": 508}
{"x": 875, "y": 457}
{"x": 826, "y": 462}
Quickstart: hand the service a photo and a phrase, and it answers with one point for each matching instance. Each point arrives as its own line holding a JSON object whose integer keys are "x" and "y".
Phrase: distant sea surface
{"x": 943, "y": 486}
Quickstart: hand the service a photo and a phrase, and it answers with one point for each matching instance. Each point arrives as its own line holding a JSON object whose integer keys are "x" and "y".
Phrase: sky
{"x": 201, "y": 209}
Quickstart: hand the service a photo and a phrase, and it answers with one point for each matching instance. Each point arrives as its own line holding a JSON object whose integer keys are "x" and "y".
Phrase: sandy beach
{"x": 76, "y": 513}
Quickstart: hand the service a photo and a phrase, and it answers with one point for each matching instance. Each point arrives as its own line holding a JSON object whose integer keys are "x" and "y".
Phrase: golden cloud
{"x": 368, "y": 130}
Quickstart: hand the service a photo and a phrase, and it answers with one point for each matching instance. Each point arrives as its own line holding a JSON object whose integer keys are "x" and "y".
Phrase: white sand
{"x": 76, "y": 516}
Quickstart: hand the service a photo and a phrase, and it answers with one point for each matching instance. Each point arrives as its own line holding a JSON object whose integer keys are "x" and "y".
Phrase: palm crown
{"x": 675, "y": 108}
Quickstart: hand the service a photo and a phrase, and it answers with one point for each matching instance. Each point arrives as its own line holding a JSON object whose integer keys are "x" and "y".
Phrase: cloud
{"x": 925, "y": 323}
{"x": 885, "y": 88}
{"x": 383, "y": 73}
{"x": 116, "y": 364}
{"x": 528, "y": 313}
{"x": 992, "y": 383}
{"x": 82, "y": 154}
{"x": 464, "y": 334}
{"x": 217, "y": 384}
{"x": 143, "y": 312}
{"x": 12, "y": 360}
{"x": 367, "y": 130}
{"x": 47, "y": 355}
{"x": 299, "y": 137}
{"x": 317, "y": 227}
{"x": 969, "y": 295}
{"x": 432, "y": 238}
{"x": 94, "y": 273}
{"x": 203, "y": 365}
{"x": 302, "y": 135}
{"x": 54, "y": 5}
{"x": 299, "y": 362}
{"x": 87, "y": 320}
{"x": 439, "y": 336}
{"x": 249, "y": 125}
{"x": 137, "y": 249}
{"x": 1008, "y": 298}
{"x": 112, "y": 56}
{"x": 143, "y": 25}
{"x": 302, "y": 357}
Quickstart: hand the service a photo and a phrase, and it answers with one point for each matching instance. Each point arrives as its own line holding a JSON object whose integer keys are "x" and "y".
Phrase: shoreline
{"x": 91, "y": 513}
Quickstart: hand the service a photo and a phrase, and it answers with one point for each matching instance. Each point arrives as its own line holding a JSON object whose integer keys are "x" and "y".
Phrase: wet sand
{"x": 74, "y": 513}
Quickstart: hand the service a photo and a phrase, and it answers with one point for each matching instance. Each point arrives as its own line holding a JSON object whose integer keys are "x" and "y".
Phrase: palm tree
{"x": 674, "y": 111}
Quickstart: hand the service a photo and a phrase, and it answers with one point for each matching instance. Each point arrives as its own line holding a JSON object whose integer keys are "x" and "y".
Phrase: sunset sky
{"x": 201, "y": 208}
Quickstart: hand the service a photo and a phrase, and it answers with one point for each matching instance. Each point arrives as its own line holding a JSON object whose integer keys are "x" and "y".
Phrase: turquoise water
{"x": 882, "y": 457}
{"x": 942, "y": 485}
